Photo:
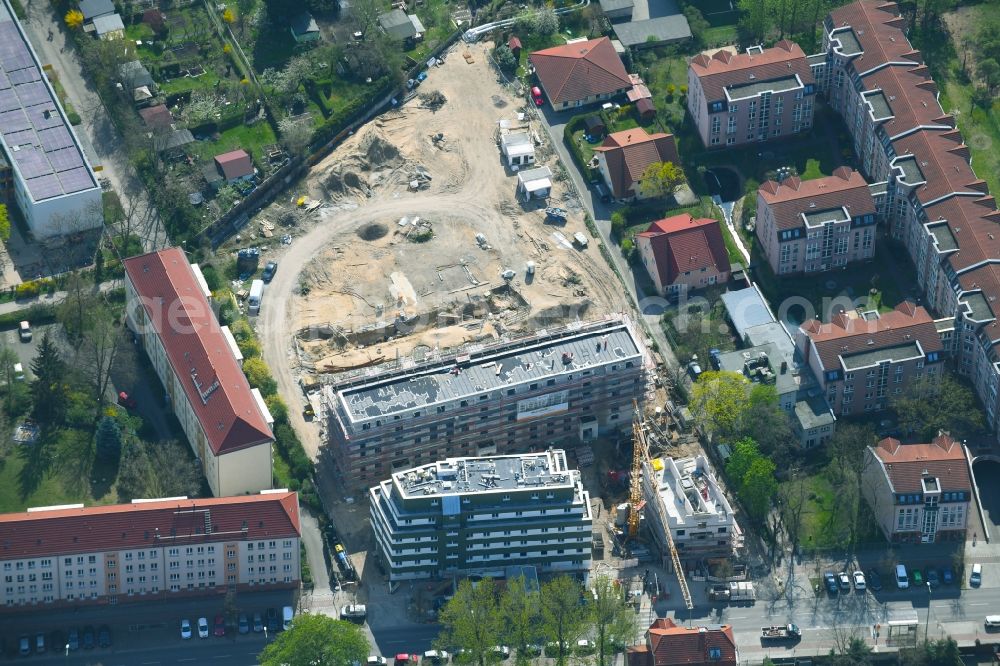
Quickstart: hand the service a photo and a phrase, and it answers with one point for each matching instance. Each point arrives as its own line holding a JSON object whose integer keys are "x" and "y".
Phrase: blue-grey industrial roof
{"x": 509, "y": 365}
{"x": 663, "y": 29}
{"x": 463, "y": 476}
{"x": 36, "y": 136}
{"x": 746, "y": 308}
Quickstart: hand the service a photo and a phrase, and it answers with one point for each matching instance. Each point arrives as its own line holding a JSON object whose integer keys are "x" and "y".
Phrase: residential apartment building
{"x": 682, "y": 254}
{"x": 226, "y": 422}
{"x": 862, "y": 360}
{"x": 935, "y": 204}
{"x": 148, "y": 550}
{"x": 669, "y": 644}
{"x": 54, "y": 184}
{"x": 758, "y": 95}
{"x": 807, "y": 226}
{"x": 919, "y": 493}
{"x": 481, "y": 515}
{"x": 682, "y": 496}
{"x": 570, "y": 383}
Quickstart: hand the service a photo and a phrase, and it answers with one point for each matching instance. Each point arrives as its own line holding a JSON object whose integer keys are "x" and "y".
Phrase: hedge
{"x": 576, "y": 123}
{"x": 339, "y": 119}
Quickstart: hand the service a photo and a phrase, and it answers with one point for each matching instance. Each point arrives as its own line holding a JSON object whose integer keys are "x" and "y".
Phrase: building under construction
{"x": 682, "y": 496}
{"x": 568, "y": 384}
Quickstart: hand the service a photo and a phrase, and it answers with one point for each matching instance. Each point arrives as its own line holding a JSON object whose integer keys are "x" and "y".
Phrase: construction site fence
{"x": 238, "y": 216}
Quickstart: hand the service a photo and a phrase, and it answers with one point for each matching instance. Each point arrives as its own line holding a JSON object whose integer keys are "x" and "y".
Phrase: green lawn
{"x": 824, "y": 520}
{"x": 248, "y": 138}
{"x": 723, "y": 34}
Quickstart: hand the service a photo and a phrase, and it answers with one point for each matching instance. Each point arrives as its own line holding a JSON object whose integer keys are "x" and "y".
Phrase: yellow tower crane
{"x": 640, "y": 458}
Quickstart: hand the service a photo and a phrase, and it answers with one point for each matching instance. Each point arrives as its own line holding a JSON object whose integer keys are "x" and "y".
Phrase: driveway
{"x": 650, "y": 306}
{"x": 99, "y": 137}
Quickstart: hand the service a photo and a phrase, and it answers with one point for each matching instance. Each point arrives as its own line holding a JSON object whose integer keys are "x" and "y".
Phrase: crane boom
{"x": 640, "y": 457}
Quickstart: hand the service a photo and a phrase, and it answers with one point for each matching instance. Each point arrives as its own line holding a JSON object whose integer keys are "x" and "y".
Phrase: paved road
{"x": 650, "y": 305}
{"x": 99, "y": 136}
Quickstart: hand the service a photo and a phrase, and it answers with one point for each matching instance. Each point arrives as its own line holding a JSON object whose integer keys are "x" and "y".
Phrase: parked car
{"x": 202, "y": 627}
{"x": 845, "y": 582}
{"x": 88, "y": 638}
{"x": 831, "y": 582}
{"x": 258, "y": 623}
{"x": 932, "y": 577}
{"x": 185, "y": 629}
{"x": 375, "y": 660}
{"x": 436, "y": 656}
{"x": 126, "y": 401}
{"x": 859, "y": 581}
{"x": 583, "y": 646}
{"x": 74, "y": 639}
{"x": 947, "y": 576}
{"x": 40, "y": 643}
{"x": 244, "y": 624}
{"x": 269, "y": 270}
{"x": 992, "y": 622}
{"x": 874, "y": 580}
{"x": 24, "y": 646}
{"x": 918, "y": 578}
{"x": 501, "y": 651}
{"x": 104, "y": 636}
{"x": 272, "y": 620}
{"x": 536, "y": 94}
{"x": 220, "y": 626}
{"x": 976, "y": 578}
{"x": 24, "y": 331}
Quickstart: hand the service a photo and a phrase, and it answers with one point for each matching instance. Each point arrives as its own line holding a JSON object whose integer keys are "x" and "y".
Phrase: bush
{"x": 259, "y": 376}
{"x": 576, "y": 123}
{"x": 618, "y": 223}
{"x": 74, "y": 118}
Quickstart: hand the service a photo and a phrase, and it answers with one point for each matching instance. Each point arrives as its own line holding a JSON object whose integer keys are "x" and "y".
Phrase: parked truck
{"x": 580, "y": 240}
{"x": 780, "y": 632}
{"x": 742, "y": 592}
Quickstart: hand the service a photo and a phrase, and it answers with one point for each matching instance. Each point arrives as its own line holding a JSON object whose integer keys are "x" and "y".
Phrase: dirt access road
{"x": 469, "y": 188}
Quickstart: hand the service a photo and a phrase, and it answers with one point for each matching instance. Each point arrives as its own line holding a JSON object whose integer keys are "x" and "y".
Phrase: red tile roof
{"x": 683, "y": 243}
{"x": 907, "y": 464}
{"x": 977, "y": 237}
{"x": 149, "y": 524}
{"x": 514, "y": 43}
{"x": 235, "y": 164}
{"x": 577, "y": 71}
{"x": 911, "y": 94}
{"x": 793, "y": 196}
{"x": 846, "y": 336}
{"x": 630, "y": 152}
{"x": 878, "y": 27}
{"x": 943, "y": 159}
{"x": 724, "y": 70}
{"x": 199, "y": 354}
{"x": 668, "y": 644}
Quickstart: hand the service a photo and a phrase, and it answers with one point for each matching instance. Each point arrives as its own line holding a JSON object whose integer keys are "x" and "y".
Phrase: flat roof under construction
{"x": 36, "y": 136}
{"x": 479, "y": 371}
{"x": 454, "y": 476}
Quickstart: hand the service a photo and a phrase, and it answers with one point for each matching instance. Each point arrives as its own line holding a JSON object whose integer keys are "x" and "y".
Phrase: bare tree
{"x": 101, "y": 342}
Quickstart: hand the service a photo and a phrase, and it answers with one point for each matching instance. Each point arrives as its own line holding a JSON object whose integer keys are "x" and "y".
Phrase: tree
{"x": 259, "y": 376}
{"x": 660, "y": 179}
{"x": 942, "y": 652}
{"x": 504, "y": 58}
{"x": 4, "y": 223}
{"x": 74, "y": 19}
{"x": 318, "y": 640}
{"x": 162, "y": 469}
{"x": 108, "y": 439}
{"x": 101, "y": 341}
{"x": 614, "y": 622}
{"x": 564, "y": 618}
{"x": 48, "y": 390}
{"x": 718, "y": 401}
{"x": 935, "y": 403}
{"x": 744, "y": 453}
{"x": 759, "y": 487}
{"x": 471, "y": 621}
{"x": 546, "y": 22}
{"x": 756, "y": 20}
{"x": 295, "y": 134}
{"x": 228, "y": 16}
{"x": 519, "y": 616}
{"x": 989, "y": 71}
{"x": 7, "y": 360}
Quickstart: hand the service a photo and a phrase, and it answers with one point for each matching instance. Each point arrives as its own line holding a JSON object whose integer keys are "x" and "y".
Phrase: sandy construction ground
{"x": 355, "y": 287}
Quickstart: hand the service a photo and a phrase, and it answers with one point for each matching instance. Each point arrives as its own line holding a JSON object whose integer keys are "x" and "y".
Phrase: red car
{"x": 126, "y": 401}
{"x": 536, "y": 94}
{"x": 220, "y": 626}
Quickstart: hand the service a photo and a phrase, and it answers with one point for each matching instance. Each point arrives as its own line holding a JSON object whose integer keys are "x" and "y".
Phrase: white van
{"x": 902, "y": 580}
{"x": 255, "y": 297}
{"x": 993, "y": 621}
{"x": 286, "y": 617}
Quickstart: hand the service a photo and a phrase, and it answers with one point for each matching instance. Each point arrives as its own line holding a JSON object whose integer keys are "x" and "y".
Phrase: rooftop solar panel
{"x": 76, "y": 180}
{"x": 9, "y": 100}
{"x": 44, "y": 187}
{"x": 31, "y": 162}
{"x": 32, "y": 93}
{"x": 64, "y": 160}
{"x": 55, "y": 138}
{"x": 13, "y": 121}
{"x": 44, "y": 116}
{"x": 26, "y": 75}
{"x": 35, "y": 134}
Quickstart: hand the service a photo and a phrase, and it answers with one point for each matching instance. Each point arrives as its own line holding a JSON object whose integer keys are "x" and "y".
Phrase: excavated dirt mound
{"x": 373, "y": 231}
{"x": 379, "y": 153}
